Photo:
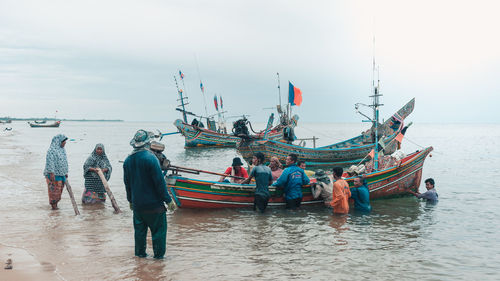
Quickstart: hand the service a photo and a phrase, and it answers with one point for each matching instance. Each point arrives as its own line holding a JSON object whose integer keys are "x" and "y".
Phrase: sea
{"x": 401, "y": 239}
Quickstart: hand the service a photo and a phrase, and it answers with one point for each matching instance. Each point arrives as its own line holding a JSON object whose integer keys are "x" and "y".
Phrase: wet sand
{"x": 25, "y": 266}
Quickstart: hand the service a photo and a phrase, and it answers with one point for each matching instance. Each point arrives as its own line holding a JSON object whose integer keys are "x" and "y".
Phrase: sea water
{"x": 403, "y": 238}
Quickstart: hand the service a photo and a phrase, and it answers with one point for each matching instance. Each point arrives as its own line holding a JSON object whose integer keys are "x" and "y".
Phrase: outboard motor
{"x": 240, "y": 128}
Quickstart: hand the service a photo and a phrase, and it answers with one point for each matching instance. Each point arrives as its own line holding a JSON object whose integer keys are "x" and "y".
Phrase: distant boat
{"x": 6, "y": 121}
{"x": 52, "y": 125}
{"x": 215, "y": 134}
{"x": 201, "y": 194}
{"x": 40, "y": 121}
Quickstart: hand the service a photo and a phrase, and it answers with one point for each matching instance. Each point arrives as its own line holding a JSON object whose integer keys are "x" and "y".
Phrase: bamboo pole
{"x": 196, "y": 171}
{"x": 73, "y": 202}
{"x": 108, "y": 190}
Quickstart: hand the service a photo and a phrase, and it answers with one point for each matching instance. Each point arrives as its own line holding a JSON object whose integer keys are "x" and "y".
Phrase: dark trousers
{"x": 260, "y": 202}
{"x": 293, "y": 203}
{"x": 157, "y": 223}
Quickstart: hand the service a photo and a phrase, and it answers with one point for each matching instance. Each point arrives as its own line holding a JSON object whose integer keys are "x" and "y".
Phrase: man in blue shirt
{"x": 431, "y": 193}
{"x": 263, "y": 178}
{"x": 361, "y": 195}
{"x": 147, "y": 192}
{"x": 292, "y": 179}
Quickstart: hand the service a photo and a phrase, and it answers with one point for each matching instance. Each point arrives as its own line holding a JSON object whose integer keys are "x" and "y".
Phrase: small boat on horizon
{"x": 44, "y": 124}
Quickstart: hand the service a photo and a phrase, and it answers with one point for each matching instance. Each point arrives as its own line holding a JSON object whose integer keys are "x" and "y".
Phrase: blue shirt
{"x": 263, "y": 176}
{"x": 292, "y": 178}
{"x": 144, "y": 182}
{"x": 361, "y": 196}
{"x": 430, "y": 195}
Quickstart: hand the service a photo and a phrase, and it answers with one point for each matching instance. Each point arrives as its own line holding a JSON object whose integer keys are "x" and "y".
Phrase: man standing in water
{"x": 292, "y": 179}
{"x": 361, "y": 195}
{"x": 146, "y": 191}
{"x": 430, "y": 194}
{"x": 263, "y": 178}
{"x": 341, "y": 193}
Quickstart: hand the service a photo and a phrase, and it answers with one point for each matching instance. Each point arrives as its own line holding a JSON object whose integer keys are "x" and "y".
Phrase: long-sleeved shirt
{"x": 292, "y": 179}
{"x": 144, "y": 182}
{"x": 341, "y": 194}
{"x": 430, "y": 195}
{"x": 361, "y": 196}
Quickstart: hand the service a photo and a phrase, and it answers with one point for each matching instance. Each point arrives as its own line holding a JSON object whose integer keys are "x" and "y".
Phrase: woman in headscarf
{"x": 94, "y": 189}
{"x": 56, "y": 169}
{"x": 276, "y": 168}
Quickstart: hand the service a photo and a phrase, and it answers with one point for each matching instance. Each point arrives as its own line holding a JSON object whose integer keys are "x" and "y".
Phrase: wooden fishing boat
{"x": 342, "y": 154}
{"x": 202, "y": 137}
{"x": 215, "y": 134}
{"x": 52, "y": 125}
{"x": 390, "y": 182}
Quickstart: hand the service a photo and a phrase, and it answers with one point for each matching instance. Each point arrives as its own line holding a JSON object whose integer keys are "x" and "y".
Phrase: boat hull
{"x": 200, "y": 194}
{"x": 343, "y": 154}
{"x": 200, "y": 137}
{"x": 53, "y": 125}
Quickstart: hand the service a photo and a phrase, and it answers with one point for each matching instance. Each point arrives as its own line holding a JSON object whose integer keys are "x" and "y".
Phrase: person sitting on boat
{"x": 292, "y": 179}
{"x": 56, "y": 169}
{"x": 361, "y": 195}
{"x": 430, "y": 195}
{"x": 276, "y": 167}
{"x": 236, "y": 170}
{"x": 194, "y": 122}
{"x": 263, "y": 178}
{"x": 323, "y": 187}
{"x": 302, "y": 165}
{"x": 94, "y": 191}
{"x": 341, "y": 193}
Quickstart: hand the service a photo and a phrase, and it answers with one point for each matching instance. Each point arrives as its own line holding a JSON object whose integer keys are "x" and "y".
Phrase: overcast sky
{"x": 117, "y": 59}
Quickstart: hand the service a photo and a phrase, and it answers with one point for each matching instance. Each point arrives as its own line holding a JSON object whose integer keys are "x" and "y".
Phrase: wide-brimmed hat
{"x": 141, "y": 138}
{"x": 237, "y": 162}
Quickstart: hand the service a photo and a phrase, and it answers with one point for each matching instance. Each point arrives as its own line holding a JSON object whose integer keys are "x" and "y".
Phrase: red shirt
{"x": 242, "y": 173}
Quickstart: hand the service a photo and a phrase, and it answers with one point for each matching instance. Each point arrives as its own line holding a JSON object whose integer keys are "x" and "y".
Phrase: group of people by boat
{"x": 334, "y": 190}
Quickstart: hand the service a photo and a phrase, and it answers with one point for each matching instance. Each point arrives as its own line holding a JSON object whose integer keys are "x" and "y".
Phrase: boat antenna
{"x": 279, "y": 88}
{"x": 181, "y": 99}
{"x": 201, "y": 88}
{"x": 375, "y": 106}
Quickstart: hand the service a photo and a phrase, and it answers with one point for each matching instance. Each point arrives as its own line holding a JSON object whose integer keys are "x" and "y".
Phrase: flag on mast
{"x": 215, "y": 103}
{"x": 220, "y": 98}
{"x": 181, "y": 75}
{"x": 202, "y": 88}
{"x": 294, "y": 95}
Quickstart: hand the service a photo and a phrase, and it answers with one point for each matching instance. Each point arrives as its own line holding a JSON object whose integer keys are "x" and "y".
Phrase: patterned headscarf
{"x": 56, "y": 161}
{"x": 97, "y": 161}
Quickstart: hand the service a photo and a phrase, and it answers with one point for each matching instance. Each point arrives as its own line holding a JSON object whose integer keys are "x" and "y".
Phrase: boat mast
{"x": 375, "y": 106}
{"x": 279, "y": 88}
{"x": 182, "y": 100}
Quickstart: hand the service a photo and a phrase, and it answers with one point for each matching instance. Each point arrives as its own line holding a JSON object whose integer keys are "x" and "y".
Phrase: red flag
{"x": 294, "y": 94}
{"x": 215, "y": 103}
{"x": 399, "y": 137}
{"x": 372, "y": 153}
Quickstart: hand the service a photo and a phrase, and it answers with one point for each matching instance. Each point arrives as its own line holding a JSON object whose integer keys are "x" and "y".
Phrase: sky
{"x": 117, "y": 59}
